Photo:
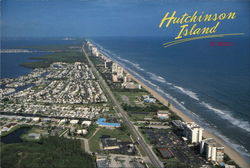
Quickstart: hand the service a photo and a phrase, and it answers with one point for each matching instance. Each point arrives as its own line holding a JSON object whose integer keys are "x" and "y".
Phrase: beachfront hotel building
{"x": 213, "y": 150}
{"x": 92, "y": 48}
{"x": 117, "y": 69}
{"x": 127, "y": 78}
{"x": 94, "y": 51}
{"x": 193, "y": 132}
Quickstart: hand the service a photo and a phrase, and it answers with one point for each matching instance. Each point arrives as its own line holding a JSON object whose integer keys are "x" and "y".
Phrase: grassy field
{"x": 114, "y": 133}
{"x": 50, "y": 152}
{"x": 91, "y": 131}
{"x": 139, "y": 117}
{"x": 131, "y": 98}
{"x": 132, "y": 102}
{"x": 45, "y": 61}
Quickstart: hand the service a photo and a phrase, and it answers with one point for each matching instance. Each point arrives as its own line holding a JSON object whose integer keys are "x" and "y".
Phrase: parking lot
{"x": 167, "y": 139}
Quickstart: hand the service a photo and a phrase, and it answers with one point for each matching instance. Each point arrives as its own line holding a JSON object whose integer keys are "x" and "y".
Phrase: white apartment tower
{"x": 94, "y": 51}
{"x": 193, "y": 132}
{"x": 214, "y": 151}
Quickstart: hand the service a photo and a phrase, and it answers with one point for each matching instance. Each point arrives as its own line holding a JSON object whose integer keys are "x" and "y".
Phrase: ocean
{"x": 211, "y": 84}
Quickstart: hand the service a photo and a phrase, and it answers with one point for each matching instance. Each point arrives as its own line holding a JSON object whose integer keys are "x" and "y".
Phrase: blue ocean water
{"x": 209, "y": 83}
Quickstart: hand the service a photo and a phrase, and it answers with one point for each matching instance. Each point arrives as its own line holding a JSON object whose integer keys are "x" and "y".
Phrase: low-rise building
{"x": 163, "y": 114}
{"x": 34, "y": 136}
{"x": 74, "y": 121}
{"x": 148, "y": 118}
{"x": 178, "y": 124}
{"x": 87, "y": 123}
{"x": 149, "y": 100}
{"x": 4, "y": 129}
{"x": 36, "y": 119}
{"x": 63, "y": 121}
{"x": 109, "y": 143}
{"x": 82, "y": 132}
{"x": 102, "y": 162}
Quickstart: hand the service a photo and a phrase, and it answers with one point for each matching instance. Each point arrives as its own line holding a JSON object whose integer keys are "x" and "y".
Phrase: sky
{"x": 93, "y": 18}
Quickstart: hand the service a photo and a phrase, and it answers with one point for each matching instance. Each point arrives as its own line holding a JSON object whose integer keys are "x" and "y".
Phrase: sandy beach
{"x": 228, "y": 150}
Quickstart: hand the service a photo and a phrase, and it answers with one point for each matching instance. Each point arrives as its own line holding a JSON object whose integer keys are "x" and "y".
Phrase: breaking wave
{"x": 187, "y": 92}
{"x": 228, "y": 116}
{"x": 156, "y": 77}
{"x": 137, "y": 66}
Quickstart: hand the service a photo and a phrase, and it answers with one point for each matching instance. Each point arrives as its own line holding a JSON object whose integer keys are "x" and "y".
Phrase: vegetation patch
{"x": 133, "y": 98}
{"x": 50, "y": 152}
{"x": 147, "y": 108}
{"x": 65, "y": 56}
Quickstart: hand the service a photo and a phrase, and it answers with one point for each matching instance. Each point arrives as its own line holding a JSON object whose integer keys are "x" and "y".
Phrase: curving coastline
{"x": 232, "y": 153}
{"x": 239, "y": 158}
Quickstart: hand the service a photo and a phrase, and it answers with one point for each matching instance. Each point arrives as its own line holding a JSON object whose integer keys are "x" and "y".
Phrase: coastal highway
{"x": 151, "y": 155}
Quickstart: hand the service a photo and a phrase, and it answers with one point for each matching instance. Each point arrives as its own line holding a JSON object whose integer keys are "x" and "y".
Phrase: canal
{"x": 15, "y": 136}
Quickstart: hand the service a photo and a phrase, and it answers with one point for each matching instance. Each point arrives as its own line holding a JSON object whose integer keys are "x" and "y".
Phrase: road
{"x": 151, "y": 155}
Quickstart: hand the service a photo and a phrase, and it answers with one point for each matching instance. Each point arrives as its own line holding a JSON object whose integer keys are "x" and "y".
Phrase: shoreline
{"x": 240, "y": 160}
{"x": 232, "y": 153}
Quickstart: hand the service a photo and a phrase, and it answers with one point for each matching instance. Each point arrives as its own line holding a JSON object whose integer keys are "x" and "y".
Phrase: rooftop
{"x": 191, "y": 125}
{"x": 212, "y": 142}
{"x": 110, "y": 142}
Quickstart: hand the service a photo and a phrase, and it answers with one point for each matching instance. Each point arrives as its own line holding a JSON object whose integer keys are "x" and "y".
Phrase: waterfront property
{"x": 193, "y": 132}
{"x": 212, "y": 149}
